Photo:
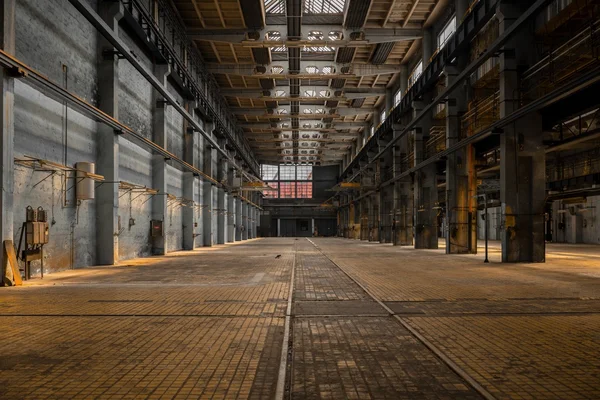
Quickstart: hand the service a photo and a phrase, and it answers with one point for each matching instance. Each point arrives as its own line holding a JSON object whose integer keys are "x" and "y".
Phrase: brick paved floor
{"x": 528, "y": 331}
{"x": 191, "y": 325}
{"x": 210, "y": 324}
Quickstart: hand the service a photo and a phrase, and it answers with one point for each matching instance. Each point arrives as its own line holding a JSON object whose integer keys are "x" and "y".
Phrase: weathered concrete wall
{"x": 135, "y": 93}
{"x": 53, "y": 38}
{"x": 173, "y": 223}
{"x": 135, "y": 166}
{"x": 580, "y": 227}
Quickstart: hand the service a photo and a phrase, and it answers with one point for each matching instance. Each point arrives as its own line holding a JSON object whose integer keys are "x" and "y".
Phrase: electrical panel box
{"x": 37, "y": 233}
{"x": 156, "y": 227}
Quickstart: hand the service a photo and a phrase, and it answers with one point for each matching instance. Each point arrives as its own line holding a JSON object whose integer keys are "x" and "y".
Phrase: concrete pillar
{"x": 403, "y": 78}
{"x": 522, "y": 157}
{"x": 244, "y": 220}
{"x": 461, "y": 183}
{"x": 389, "y": 100}
{"x": 159, "y": 165}
{"x": 461, "y": 7}
{"x": 254, "y": 221}
{"x": 238, "y": 219}
{"x": 386, "y": 214}
{"x": 230, "y": 218}
{"x": 403, "y": 193}
{"x": 209, "y": 214}
{"x": 374, "y": 217}
{"x": 221, "y": 218}
{"x": 189, "y": 214}
{"x": 427, "y": 42}
{"x": 107, "y": 159}
{"x": 364, "y": 219}
{"x": 7, "y": 98}
{"x": 425, "y": 189}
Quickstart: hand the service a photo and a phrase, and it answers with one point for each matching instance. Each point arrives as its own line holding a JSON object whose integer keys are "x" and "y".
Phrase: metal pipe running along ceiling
{"x": 105, "y": 31}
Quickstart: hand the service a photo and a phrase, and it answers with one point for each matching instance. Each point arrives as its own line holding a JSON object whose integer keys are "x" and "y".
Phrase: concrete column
{"x": 245, "y": 208}
{"x": 221, "y": 218}
{"x": 189, "y": 213}
{"x": 522, "y": 157}
{"x": 374, "y": 217}
{"x": 461, "y": 7}
{"x": 425, "y": 190}
{"x": 107, "y": 158}
{"x": 461, "y": 183}
{"x": 386, "y": 214}
{"x": 364, "y": 219}
{"x": 238, "y": 219}
{"x": 209, "y": 214}
{"x": 230, "y": 218}
{"x": 7, "y": 98}
{"x": 159, "y": 165}
{"x": 7, "y": 169}
{"x": 403, "y": 196}
{"x": 404, "y": 78}
{"x": 389, "y": 100}
{"x": 427, "y": 42}
{"x": 254, "y": 220}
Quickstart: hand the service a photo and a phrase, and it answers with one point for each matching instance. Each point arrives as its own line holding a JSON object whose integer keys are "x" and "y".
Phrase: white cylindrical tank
{"x": 85, "y": 189}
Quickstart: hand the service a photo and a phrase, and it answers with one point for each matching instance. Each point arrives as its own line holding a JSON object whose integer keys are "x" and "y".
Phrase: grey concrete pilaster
{"x": 159, "y": 164}
{"x": 402, "y": 223}
{"x": 221, "y": 217}
{"x": 364, "y": 219}
{"x": 238, "y": 219}
{"x": 222, "y": 175}
{"x": 461, "y": 186}
{"x": 389, "y": 100}
{"x": 404, "y": 78}
{"x": 461, "y": 7}
{"x": 208, "y": 192}
{"x": 427, "y": 43}
{"x": 107, "y": 158}
{"x": 522, "y": 157}
{"x": 190, "y": 218}
{"x": 7, "y": 100}
{"x": 425, "y": 189}
{"x": 374, "y": 217}
{"x": 208, "y": 213}
{"x": 245, "y": 208}
{"x": 230, "y": 218}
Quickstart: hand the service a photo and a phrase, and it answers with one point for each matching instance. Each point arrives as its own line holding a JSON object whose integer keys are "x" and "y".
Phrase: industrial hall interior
{"x": 300, "y": 199}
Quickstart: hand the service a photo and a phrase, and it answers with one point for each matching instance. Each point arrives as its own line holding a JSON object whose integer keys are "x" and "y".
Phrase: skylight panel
{"x": 324, "y": 6}
{"x": 275, "y": 6}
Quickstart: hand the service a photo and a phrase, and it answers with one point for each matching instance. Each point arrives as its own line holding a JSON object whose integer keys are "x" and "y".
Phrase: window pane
{"x": 287, "y": 172}
{"x": 304, "y": 190}
{"x": 415, "y": 74}
{"x": 304, "y": 172}
{"x": 272, "y": 194}
{"x": 446, "y": 33}
{"x": 268, "y": 172}
{"x": 397, "y": 98}
{"x": 287, "y": 190}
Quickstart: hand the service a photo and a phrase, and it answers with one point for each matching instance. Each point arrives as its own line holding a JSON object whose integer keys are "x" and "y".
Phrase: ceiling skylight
{"x": 275, "y": 6}
{"x": 323, "y": 6}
